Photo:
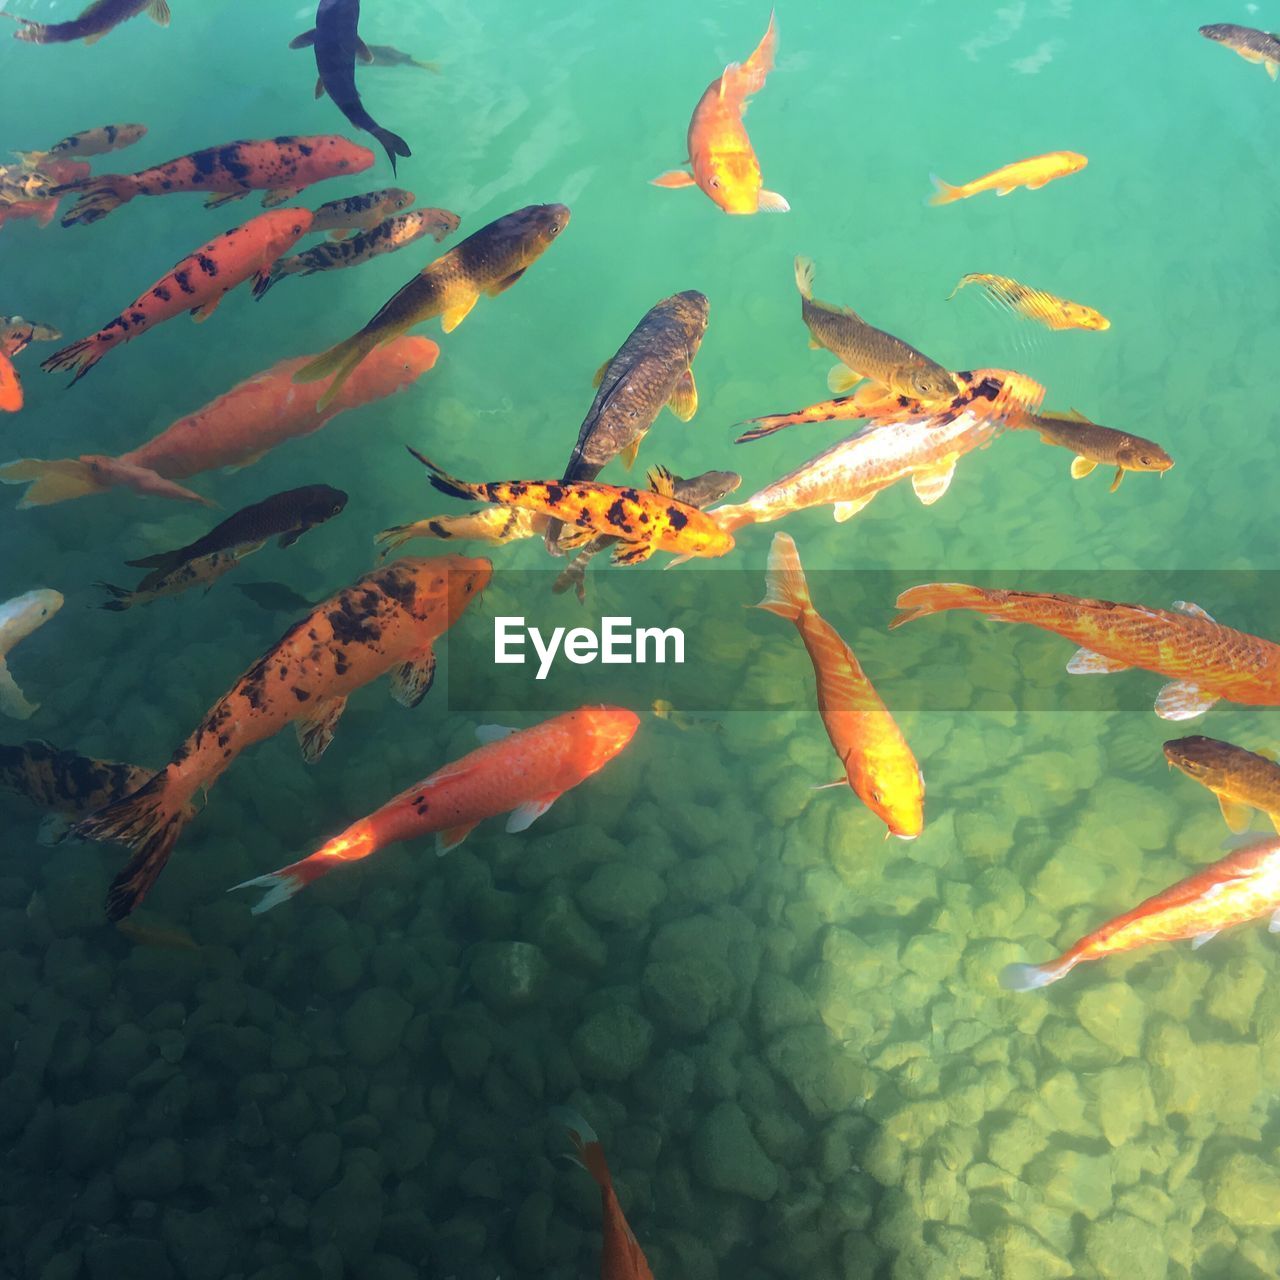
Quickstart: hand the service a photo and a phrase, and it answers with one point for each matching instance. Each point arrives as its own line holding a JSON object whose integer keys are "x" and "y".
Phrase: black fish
{"x": 94, "y": 23}
{"x": 276, "y": 596}
{"x": 337, "y": 43}
{"x": 289, "y": 514}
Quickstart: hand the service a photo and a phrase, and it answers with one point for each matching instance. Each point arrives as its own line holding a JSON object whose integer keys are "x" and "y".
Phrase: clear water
{"x": 203, "y": 1113}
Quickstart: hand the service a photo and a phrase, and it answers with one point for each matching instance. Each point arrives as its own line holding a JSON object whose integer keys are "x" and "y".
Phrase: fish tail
{"x": 960, "y": 284}
{"x": 446, "y": 483}
{"x": 804, "y": 277}
{"x": 765, "y": 427}
{"x": 117, "y": 604}
{"x": 355, "y": 843}
{"x": 786, "y": 592}
{"x": 392, "y": 143}
{"x": 584, "y": 1138}
{"x": 340, "y": 361}
{"x": 80, "y": 356}
{"x": 937, "y": 597}
{"x": 752, "y": 73}
{"x": 391, "y": 539}
{"x": 943, "y": 192}
{"x": 50, "y": 482}
{"x": 32, "y": 31}
{"x": 1027, "y": 977}
{"x": 97, "y": 197}
{"x": 149, "y": 823}
{"x": 425, "y": 66}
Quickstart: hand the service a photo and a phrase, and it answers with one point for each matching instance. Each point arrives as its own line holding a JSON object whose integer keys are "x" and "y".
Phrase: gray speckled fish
{"x": 1250, "y": 43}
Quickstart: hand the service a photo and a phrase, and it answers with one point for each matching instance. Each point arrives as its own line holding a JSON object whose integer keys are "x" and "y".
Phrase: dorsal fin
{"x": 1074, "y": 415}
{"x": 662, "y": 482}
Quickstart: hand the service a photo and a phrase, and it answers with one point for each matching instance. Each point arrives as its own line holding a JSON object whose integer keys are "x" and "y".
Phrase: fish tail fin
{"x": 118, "y": 597}
{"x": 1028, "y": 977}
{"x": 339, "y": 361}
{"x": 149, "y": 823}
{"x": 30, "y": 159}
{"x": 353, "y": 844}
{"x": 425, "y": 66}
{"x": 30, "y": 29}
{"x": 937, "y": 597}
{"x": 804, "y": 277}
{"x": 393, "y": 144}
{"x": 943, "y": 192}
{"x": 752, "y": 73}
{"x": 97, "y": 197}
{"x": 765, "y": 427}
{"x": 80, "y": 356}
{"x": 50, "y": 482}
{"x": 443, "y": 481}
{"x": 392, "y": 539}
{"x": 786, "y": 592}
{"x": 585, "y": 1140}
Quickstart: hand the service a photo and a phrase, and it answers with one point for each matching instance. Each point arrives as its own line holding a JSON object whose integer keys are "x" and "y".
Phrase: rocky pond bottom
{"x": 787, "y": 1032}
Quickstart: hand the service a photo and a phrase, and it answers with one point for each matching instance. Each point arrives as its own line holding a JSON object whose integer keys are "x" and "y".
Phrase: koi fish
{"x": 1032, "y": 174}
{"x": 203, "y": 571}
{"x": 100, "y": 17}
{"x": 868, "y": 352}
{"x": 275, "y": 597}
{"x": 90, "y": 142}
{"x": 360, "y": 213}
{"x": 925, "y": 447}
{"x": 389, "y": 620}
{"x": 337, "y": 44}
{"x": 150, "y": 935}
{"x": 386, "y": 55}
{"x": 1034, "y": 304}
{"x": 723, "y": 161}
{"x": 522, "y": 772}
{"x": 698, "y": 491}
{"x": 1252, "y": 45}
{"x": 1242, "y": 780}
{"x": 1206, "y": 660}
{"x": 19, "y": 617}
{"x": 878, "y": 764}
{"x": 489, "y": 524}
{"x": 664, "y": 709}
{"x": 18, "y": 185}
{"x": 11, "y": 394}
{"x": 621, "y": 1257}
{"x": 65, "y": 784}
{"x": 387, "y": 237}
{"x": 233, "y": 431}
{"x": 488, "y": 261}
{"x": 286, "y": 516}
{"x": 643, "y": 520}
{"x": 1240, "y": 887}
{"x": 196, "y": 284}
{"x": 281, "y": 167}
{"x": 1093, "y": 445}
{"x": 43, "y": 211}
{"x": 17, "y": 334}
{"x": 654, "y": 367}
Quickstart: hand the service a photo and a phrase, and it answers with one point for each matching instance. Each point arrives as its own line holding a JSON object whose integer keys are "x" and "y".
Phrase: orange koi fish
{"x": 522, "y": 772}
{"x": 720, "y": 153}
{"x": 197, "y": 284}
{"x": 925, "y": 447}
{"x": 11, "y": 397}
{"x": 1034, "y": 304}
{"x": 643, "y": 520}
{"x": 1240, "y": 887}
{"x": 233, "y": 431}
{"x": 1242, "y": 780}
{"x": 1032, "y": 174}
{"x": 878, "y": 764}
{"x": 282, "y": 167}
{"x": 621, "y": 1257}
{"x": 389, "y": 620}
{"x": 1207, "y": 661}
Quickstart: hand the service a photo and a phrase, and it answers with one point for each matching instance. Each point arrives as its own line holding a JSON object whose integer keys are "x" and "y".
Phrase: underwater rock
{"x": 1115, "y": 1015}
{"x": 1011, "y": 1144}
{"x": 319, "y": 1155}
{"x": 1233, "y": 990}
{"x": 201, "y": 1244}
{"x": 91, "y": 1131}
{"x": 374, "y": 1024}
{"x": 1072, "y": 1181}
{"x": 622, "y": 893}
{"x": 151, "y": 1174}
{"x": 1122, "y": 1247}
{"x": 508, "y": 975}
{"x": 349, "y": 1215}
{"x": 1125, "y": 1106}
{"x": 612, "y": 1043}
{"x": 1219, "y": 1080}
{"x": 558, "y": 927}
{"x": 1074, "y": 1047}
{"x": 725, "y": 1155}
{"x": 111, "y": 1257}
{"x": 932, "y": 955}
{"x": 1245, "y": 1189}
{"x": 685, "y": 997}
{"x": 780, "y": 1004}
{"x": 827, "y": 1079}
{"x": 1019, "y": 1254}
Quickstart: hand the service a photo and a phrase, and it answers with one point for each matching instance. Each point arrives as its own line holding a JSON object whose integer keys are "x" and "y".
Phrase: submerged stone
{"x": 726, "y": 1156}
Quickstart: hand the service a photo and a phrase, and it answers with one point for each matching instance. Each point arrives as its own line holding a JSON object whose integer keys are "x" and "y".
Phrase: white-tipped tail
{"x": 786, "y": 592}
{"x": 804, "y": 276}
{"x": 575, "y": 1122}
{"x": 1028, "y": 977}
{"x": 280, "y": 886}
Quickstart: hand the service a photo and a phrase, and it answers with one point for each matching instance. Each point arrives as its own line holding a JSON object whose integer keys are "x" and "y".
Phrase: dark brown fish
{"x": 68, "y": 785}
{"x": 1250, "y": 43}
{"x": 1242, "y": 780}
{"x": 94, "y": 23}
{"x": 698, "y": 491}
{"x": 1093, "y": 444}
{"x": 488, "y": 261}
{"x": 654, "y": 367}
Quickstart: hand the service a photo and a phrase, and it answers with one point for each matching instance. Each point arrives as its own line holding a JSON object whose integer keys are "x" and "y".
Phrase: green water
{"x": 787, "y": 1032}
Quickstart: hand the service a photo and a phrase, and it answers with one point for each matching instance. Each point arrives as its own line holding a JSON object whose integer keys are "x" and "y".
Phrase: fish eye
{"x": 713, "y": 182}
{"x": 555, "y": 228}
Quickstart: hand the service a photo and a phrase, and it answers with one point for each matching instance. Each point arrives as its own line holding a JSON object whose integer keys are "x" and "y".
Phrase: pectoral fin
{"x": 315, "y": 731}
{"x": 1081, "y": 467}
{"x": 362, "y": 52}
{"x": 600, "y": 372}
{"x": 486, "y": 733}
{"x": 1004, "y": 191}
{"x": 1273, "y": 925}
{"x": 632, "y": 552}
{"x": 201, "y": 313}
{"x": 1182, "y": 700}
{"x": 411, "y": 681}
{"x": 847, "y": 510}
{"x": 1194, "y": 610}
{"x": 1273, "y": 68}
{"x": 630, "y": 453}
{"x": 1084, "y": 662}
{"x": 304, "y": 41}
{"x": 842, "y": 379}
{"x": 280, "y": 195}
{"x": 452, "y": 837}
{"x": 674, "y": 178}
{"x": 772, "y": 202}
{"x": 158, "y": 11}
{"x": 225, "y": 197}
{"x": 1115, "y": 484}
{"x": 528, "y": 813}
{"x": 504, "y": 284}
{"x": 1237, "y": 816}
{"x": 456, "y": 314}
{"x": 1201, "y": 938}
{"x": 684, "y": 399}
{"x": 932, "y": 484}
{"x": 320, "y": 90}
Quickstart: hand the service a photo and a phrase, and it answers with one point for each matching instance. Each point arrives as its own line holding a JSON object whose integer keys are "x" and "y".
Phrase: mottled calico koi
{"x": 202, "y": 571}
{"x": 642, "y": 520}
{"x": 334, "y": 255}
{"x": 360, "y": 213}
{"x": 100, "y": 17}
{"x": 1206, "y": 660}
{"x": 281, "y": 167}
{"x": 17, "y": 334}
{"x": 389, "y": 620}
{"x": 489, "y": 524}
{"x": 82, "y": 146}
{"x": 1242, "y": 780}
{"x": 1250, "y": 43}
{"x": 197, "y": 284}
{"x": 488, "y": 261}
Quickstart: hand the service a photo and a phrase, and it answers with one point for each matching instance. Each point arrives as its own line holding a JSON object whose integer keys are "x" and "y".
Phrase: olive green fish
{"x": 1095, "y": 445}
